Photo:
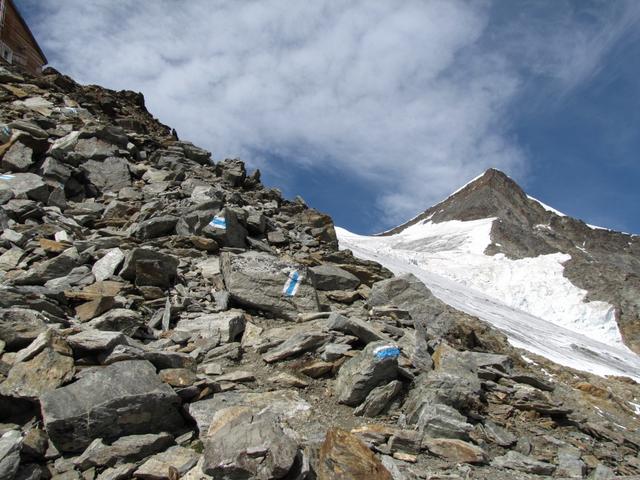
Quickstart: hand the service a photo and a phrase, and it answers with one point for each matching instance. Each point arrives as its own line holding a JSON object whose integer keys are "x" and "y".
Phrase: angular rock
{"x": 18, "y": 158}
{"x": 298, "y": 343}
{"x": 356, "y": 327}
{"x": 378, "y": 399}
{"x": 442, "y": 421}
{"x": 43, "y": 366}
{"x": 10, "y": 445}
{"x": 225, "y": 228}
{"x": 146, "y": 266}
{"x": 455, "y": 450}
{"x": 262, "y": 281}
{"x": 25, "y": 185}
{"x": 224, "y": 325}
{"x": 499, "y": 435}
{"x": 95, "y": 340}
{"x": 111, "y": 174}
{"x": 20, "y": 326}
{"x": 245, "y": 444}
{"x": 330, "y": 277}
{"x": 523, "y": 463}
{"x": 342, "y": 455}
{"x": 95, "y": 148}
{"x": 121, "y": 399}
{"x": 52, "y": 169}
{"x": 178, "y": 377}
{"x": 156, "y": 227}
{"x": 118, "y": 320}
{"x": 47, "y": 270}
{"x": 159, "y": 467}
{"x": 125, "y": 449}
{"x": 375, "y": 365}
{"x": 108, "y": 264}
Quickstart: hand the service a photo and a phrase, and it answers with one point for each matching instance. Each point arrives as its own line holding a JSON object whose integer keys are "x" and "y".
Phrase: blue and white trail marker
{"x": 6, "y": 177}
{"x": 386, "y": 351}
{"x": 218, "y": 222}
{"x": 292, "y": 284}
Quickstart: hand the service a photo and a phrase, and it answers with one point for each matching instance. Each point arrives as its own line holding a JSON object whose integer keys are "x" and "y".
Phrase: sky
{"x": 374, "y": 111}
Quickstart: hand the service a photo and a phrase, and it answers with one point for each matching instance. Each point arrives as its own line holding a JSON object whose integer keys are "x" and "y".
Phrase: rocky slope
{"x": 603, "y": 262}
{"x": 165, "y": 316}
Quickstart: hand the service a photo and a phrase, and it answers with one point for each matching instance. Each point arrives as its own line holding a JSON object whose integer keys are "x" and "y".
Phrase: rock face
{"x": 121, "y": 399}
{"x": 262, "y": 281}
{"x": 164, "y": 315}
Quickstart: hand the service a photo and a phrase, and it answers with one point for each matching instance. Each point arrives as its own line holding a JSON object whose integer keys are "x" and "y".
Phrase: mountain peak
{"x": 492, "y": 194}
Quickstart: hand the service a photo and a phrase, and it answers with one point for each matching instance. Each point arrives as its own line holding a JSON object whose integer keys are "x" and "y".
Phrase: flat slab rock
{"x": 109, "y": 402}
{"x": 159, "y": 466}
{"x": 265, "y": 282}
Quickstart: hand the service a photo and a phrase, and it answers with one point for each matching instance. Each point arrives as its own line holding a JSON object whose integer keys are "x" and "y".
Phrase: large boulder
{"x": 111, "y": 174}
{"x": 375, "y": 365}
{"x": 121, "y": 399}
{"x": 263, "y": 281}
{"x": 330, "y": 277}
{"x": 25, "y": 185}
{"x": 148, "y": 267}
{"x": 244, "y": 443}
{"x": 225, "y": 228}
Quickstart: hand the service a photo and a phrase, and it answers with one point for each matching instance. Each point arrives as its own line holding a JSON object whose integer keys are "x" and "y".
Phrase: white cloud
{"x": 411, "y": 96}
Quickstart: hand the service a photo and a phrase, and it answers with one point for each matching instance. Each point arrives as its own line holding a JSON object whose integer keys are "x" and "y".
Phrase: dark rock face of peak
{"x": 604, "y": 263}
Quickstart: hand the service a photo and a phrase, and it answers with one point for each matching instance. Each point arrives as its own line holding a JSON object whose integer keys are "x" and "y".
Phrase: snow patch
{"x": 547, "y": 207}
{"x": 529, "y": 299}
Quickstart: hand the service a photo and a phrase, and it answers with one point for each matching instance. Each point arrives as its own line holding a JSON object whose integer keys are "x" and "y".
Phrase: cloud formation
{"x": 413, "y": 96}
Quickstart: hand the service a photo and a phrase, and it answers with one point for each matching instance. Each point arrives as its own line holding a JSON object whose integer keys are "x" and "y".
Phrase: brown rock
{"x": 455, "y": 450}
{"x": 343, "y": 456}
{"x": 94, "y": 308}
{"x": 316, "y": 369}
{"x": 178, "y": 377}
{"x": 52, "y": 247}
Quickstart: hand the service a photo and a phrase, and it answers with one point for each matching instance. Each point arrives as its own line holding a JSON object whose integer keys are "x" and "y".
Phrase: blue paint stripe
{"x": 6, "y": 177}
{"x": 292, "y": 284}
{"x": 218, "y": 222}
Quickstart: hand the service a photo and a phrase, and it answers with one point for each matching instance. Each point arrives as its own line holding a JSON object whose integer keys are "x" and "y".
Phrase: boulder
{"x": 25, "y": 185}
{"x": 378, "y": 399}
{"x": 263, "y": 281}
{"x": 356, "y": 327}
{"x": 227, "y": 326}
{"x": 225, "y": 228}
{"x": 168, "y": 465}
{"x": 10, "y": 445}
{"x": 375, "y": 365}
{"x": 296, "y": 344}
{"x": 148, "y": 267}
{"x": 41, "y": 367}
{"x": 523, "y": 463}
{"x": 342, "y": 455}
{"x": 95, "y": 340}
{"x": 18, "y": 158}
{"x": 243, "y": 444}
{"x": 125, "y": 449}
{"x": 455, "y": 450}
{"x": 121, "y": 399}
{"x": 111, "y": 174}
{"x": 118, "y": 320}
{"x": 156, "y": 227}
{"x": 108, "y": 264}
{"x": 330, "y": 277}
{"x": 20, "y": 326}
{"x": 47, "y": 270}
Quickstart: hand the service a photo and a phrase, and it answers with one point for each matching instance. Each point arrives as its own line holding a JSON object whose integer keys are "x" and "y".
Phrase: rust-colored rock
{"x": 343, "y": 456}
{"x": 455, "y": 450}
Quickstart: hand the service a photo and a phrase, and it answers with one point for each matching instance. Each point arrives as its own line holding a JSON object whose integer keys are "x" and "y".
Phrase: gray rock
{"x": 56, "y": 267}
{"x": 118, "y": 320}
{"x": 298, "y": 343}
{"x": 601, "y": 472}
{"x": 441, "y": 421}
{"x": 244, "y": 444}
{"x": 356, "y": 327}
{"x": 282, "y": 403}
{"x": 160, "y": 466}
{"x": 125, "y": 449}
{"x": 334, "y": 351}
{"x": 277, "y": 237}
{"x": 95, "y": 340}
{"x": 376, "y": 364}
{"x": 225, "y": 325}
{"x": 156, "y": 227}
{"x": 120, "y": 399}
{"x": 146, "y": 266}
{"x": 108, "y": 264}
{"x": 330, "y": 277}
{"x": 197, "y": 154}
{"x": 18, "y": 158}
{"x": 378, "y": 399}
{"x": 499, "y": 435}
{"x": 263, "y": 281}
{"x": 55, "y": 170}
{"x": 522, "y": 463}
{"x": 225, "y": 228}
{"x": 111, "y": 174}
{"x": 20, "y": 326}
{"x": 569, "y": 463}
{"x": 10, "y": 446}
{"x": 95, "y": 148}
{"x": 26, "y": 185}
{"x": 120, "y": 472}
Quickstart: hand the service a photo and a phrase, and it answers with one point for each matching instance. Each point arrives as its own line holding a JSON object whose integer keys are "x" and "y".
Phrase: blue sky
{"x": 374, "y": 111}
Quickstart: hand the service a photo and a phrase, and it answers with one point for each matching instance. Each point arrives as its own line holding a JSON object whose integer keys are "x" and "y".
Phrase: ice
{"x": 529, "y": 299}
{"x": 547, "y": 207}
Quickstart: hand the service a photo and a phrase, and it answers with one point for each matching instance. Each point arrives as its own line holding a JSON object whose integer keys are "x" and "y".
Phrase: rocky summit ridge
{"x": 603, "y": 262}
{"x": 165, "y": 316}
